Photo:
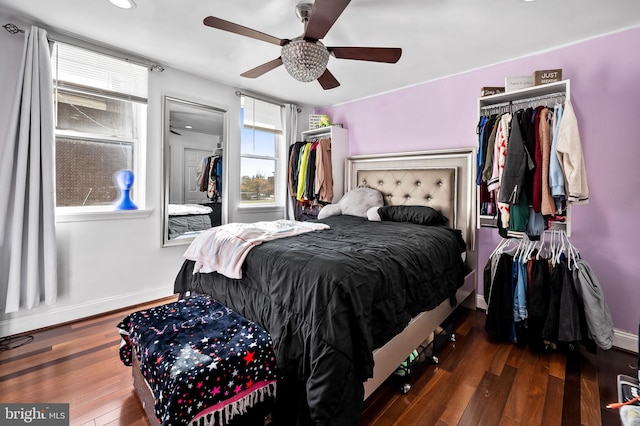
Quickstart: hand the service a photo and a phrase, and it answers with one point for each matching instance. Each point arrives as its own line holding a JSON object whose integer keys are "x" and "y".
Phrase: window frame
{"x": 139, "y": 146}
{"x": 279, "y": 145}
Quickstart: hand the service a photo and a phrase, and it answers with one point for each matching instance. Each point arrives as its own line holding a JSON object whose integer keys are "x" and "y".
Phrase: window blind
{"x": 262, "y": 115}
{"x": 74, "y": 66}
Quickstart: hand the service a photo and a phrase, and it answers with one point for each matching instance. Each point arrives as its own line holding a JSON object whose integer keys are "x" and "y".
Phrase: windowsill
{"x": 260, "y": 208}
{"x": 79, "y": 215}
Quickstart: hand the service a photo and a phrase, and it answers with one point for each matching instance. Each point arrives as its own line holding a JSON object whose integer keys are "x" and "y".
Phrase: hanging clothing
{"x": 294, "y": 166}
{"x": 519, "y": 295}
{"x": 487, "y": 168}
{"x": 310, "y": 177}
{"x": 517, "y": 162}
{"x": 549, "y": 301}
{"x": 556, "y": 179}
{"x": 519, "y": 153}
{"x": 214, "y": 187}
{"x": 547, "y": 204}
{"x": 571, "y": 158}
{"x": 538, "y": 303}
{"x": 499, "y": 159}
{"x": 302, "y": 173}
{"x": 481, "y": 148}
{"x": 209, "y": 177}
{"x": 570, "y": 322}
{"x": 324, "y": 171}
{"x": 598, "y": 316}
{"x": 310, "y": 184}
{"x": 536, "y": 179}
{"x": 551, "y": 323}
{"x": 499, "y": 321}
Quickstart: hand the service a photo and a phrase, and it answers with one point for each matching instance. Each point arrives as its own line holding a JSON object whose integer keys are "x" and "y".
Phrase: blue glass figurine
{"x": 124, "y": 180}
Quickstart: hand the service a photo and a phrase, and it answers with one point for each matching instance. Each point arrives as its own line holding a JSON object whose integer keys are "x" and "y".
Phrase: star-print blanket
{"x": 201, "y": 360}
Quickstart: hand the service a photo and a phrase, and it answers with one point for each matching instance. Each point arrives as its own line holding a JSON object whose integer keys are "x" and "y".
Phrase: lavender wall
{"x": 605, "y": 91}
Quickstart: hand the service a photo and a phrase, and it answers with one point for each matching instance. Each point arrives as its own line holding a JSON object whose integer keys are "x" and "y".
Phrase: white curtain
{"x": 291, "y": 132}
{"x": 28, "y": 270}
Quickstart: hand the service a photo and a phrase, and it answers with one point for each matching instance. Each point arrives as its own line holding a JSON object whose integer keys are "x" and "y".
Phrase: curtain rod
{"x": 78, "y": 42}
{"x": 13, "y": 29}
{"x": 249, "y": 95}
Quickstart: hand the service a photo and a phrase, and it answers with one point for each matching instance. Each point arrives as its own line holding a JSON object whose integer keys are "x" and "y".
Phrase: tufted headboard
{"x": 433, "y": 187}
{"x": 439, "y": 179}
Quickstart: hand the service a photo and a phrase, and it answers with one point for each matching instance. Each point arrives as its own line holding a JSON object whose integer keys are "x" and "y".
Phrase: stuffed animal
{"x": 355, "y": 203}
{"x": 324, "y": 121}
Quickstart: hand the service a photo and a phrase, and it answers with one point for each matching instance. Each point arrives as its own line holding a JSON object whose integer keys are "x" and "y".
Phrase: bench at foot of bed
{"x": 195, "y": 361}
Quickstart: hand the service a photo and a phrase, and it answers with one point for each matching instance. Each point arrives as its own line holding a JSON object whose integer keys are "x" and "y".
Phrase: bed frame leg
{"x": 435, "y": 341}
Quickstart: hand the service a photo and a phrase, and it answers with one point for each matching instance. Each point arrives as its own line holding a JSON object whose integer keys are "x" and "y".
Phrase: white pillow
{"x": 373, "y": 215}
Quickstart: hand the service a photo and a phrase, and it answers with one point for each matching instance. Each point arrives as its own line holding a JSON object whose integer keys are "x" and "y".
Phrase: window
{"x": 261, "y": 143}
{"x": 101, "y": 118}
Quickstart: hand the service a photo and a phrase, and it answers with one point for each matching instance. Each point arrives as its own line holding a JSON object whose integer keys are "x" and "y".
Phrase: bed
{"x": 187, "y": 219}
{"x": 345, "y": 306}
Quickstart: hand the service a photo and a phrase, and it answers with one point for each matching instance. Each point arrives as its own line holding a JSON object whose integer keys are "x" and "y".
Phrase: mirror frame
{"x": 166, "y": 166}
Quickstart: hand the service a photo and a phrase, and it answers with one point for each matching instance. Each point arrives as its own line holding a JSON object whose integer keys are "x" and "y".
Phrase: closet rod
{"x": 525, "y": 100}
{"x": 540, "y": 98}
{"x": 317, "y": 137}
{"x": 500, "y": 105}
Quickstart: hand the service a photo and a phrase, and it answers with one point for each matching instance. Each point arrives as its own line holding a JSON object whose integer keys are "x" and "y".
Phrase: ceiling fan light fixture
{"x": 123, "y": 4}
{"x": 305, "y": 60}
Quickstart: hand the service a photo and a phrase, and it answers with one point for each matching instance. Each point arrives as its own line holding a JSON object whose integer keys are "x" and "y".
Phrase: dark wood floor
{"x": 476, "y": 382}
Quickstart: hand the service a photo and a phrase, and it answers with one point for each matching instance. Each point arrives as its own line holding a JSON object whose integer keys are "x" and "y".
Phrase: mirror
{"x": 194, "y": 189}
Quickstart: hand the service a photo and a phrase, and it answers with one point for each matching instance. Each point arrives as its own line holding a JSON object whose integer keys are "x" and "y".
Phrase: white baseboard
{"x": 625, "y": 340}
{"x": 621, "y": 339}
{"x": 46, "y": 316}
{"x": 480, "y": 303}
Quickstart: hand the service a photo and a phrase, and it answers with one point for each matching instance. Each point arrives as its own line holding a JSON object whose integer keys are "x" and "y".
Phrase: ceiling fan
{"x": 305, "y": 58}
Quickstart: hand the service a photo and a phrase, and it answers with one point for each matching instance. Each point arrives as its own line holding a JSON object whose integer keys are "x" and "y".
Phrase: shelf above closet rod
{"x": 527, "y": 93}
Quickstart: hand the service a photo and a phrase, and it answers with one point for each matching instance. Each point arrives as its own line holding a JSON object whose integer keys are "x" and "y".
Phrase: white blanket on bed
{"x": 223, "y": 248}
{"x": 185, "y": 209}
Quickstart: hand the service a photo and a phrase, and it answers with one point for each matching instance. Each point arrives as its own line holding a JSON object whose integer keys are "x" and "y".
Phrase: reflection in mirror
{"x": 193, "y": 154}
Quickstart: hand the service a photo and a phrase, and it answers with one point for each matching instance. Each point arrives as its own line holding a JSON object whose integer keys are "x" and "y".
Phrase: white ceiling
{"x": 438, "y": 37}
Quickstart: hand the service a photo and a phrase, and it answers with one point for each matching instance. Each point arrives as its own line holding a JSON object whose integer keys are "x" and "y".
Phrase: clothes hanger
{"x": 541, "y": 245}
{"x": 526, "y": 248}
{"x": 574, "y": 254}
{"x": 562, "y": 248}
{"x": 516, "y": 255}
{"x": 499, "y": 247}
{"x": 530, "y": 250}
{"x": 552, "y": 249}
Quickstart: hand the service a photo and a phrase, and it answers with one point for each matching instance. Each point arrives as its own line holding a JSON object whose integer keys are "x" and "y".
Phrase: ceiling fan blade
{"x": 328, "y": 81}
{"x": 375, "y": 54}
{"x": 262, "y": 69}
{"x": 221, "y": 24}
{"x": 323, "y": 15}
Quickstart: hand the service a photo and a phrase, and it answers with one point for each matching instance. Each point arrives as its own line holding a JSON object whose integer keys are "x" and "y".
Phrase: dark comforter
{"x": 328, "y": 298}
{"x": 182, "y": 224}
